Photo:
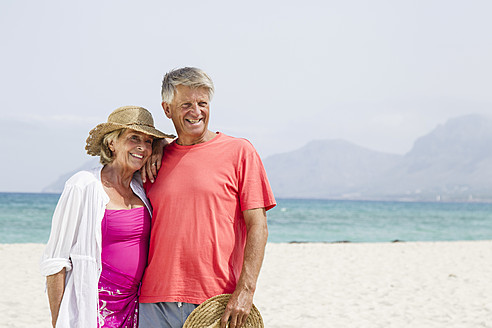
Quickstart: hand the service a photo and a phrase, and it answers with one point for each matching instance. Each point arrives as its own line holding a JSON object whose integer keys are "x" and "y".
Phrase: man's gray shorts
{"x": 164, "y": 314}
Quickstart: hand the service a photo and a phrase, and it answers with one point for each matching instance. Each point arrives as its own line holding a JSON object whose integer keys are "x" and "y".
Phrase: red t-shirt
{"x": 198, "y": 232}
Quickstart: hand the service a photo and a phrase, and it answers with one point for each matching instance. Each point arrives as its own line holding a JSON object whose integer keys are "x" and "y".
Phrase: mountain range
{"x": 451, "y": 163}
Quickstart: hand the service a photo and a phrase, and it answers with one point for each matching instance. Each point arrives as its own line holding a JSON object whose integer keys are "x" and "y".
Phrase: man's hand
{"x": 238, "y": 308}
{"x": 153, "y": 164}
{"x": 241, "y": 301}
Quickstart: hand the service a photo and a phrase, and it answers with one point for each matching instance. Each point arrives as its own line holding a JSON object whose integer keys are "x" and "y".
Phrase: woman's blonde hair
{"x": 106, "y": 156}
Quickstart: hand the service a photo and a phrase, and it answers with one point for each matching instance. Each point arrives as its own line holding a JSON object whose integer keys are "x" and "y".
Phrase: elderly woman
{"x": 97, "y": 251}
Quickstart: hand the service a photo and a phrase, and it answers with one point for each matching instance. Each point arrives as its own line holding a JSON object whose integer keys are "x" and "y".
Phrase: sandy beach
{"x": 432, "y": 284}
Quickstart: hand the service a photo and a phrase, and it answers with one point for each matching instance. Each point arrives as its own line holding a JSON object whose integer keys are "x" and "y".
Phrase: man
{"x": 209, "y": 227}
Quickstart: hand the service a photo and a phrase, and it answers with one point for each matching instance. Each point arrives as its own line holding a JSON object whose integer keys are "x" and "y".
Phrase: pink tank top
{"x": 125, "y": 240}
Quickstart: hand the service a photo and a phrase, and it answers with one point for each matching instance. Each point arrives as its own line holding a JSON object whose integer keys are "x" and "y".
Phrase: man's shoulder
{"x": 241, "y": 143}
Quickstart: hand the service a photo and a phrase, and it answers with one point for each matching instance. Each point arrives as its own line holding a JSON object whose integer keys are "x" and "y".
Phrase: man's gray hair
{"x": 188, "y": 76}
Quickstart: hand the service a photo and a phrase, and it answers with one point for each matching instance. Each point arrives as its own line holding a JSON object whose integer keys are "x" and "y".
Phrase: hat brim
{"x": 209, "y": 313}
{"x": 93, "y": 142}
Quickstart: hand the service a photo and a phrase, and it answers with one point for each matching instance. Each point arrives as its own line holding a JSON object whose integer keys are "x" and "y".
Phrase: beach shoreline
{"x": 404, "y": 284}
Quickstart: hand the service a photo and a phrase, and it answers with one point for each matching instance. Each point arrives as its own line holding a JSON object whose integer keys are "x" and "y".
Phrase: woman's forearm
{"x": 56, "y": 286}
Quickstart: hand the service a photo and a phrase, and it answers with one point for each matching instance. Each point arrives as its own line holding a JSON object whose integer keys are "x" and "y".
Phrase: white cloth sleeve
{"x": 64, "y": 228}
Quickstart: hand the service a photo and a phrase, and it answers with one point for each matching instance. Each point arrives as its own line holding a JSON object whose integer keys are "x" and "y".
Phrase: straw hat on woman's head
{"x": 209, "y": 313}
{"x": 126, "y": 117}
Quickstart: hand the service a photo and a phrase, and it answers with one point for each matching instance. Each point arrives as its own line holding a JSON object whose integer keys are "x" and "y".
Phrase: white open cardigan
{"x": 75, "y": 244}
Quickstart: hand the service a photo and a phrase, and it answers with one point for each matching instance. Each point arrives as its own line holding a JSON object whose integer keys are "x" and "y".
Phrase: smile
{"x": 193, "y": 121}
{"x": 137, "y": 156}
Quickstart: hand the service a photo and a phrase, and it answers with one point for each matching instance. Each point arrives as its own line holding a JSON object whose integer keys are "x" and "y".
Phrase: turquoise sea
{"x": 26, "y": 218}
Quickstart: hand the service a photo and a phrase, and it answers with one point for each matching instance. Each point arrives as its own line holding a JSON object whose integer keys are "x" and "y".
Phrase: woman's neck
{"x": 115, "y": 176}
{"x": 116, "y": 184}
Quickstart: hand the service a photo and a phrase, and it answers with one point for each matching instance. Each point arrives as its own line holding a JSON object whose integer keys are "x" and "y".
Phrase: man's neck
{"x": 209, "y": 135}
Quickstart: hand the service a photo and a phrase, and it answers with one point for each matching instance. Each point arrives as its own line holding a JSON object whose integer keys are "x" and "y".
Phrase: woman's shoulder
{"x": 83, "y": 186}
{"x": 85, "y": 177}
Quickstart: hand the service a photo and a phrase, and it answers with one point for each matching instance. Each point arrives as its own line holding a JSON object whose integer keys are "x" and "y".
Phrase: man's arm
{"x": 241, "y": 301}
{"x": 153, "y": 165}
{"x": 56, "y": 286}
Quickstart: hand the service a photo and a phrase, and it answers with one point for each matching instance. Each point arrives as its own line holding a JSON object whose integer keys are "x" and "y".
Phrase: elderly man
{"x": 209, "y": 226}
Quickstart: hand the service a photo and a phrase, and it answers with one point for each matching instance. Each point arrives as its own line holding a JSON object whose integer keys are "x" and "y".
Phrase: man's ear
{"x": 167, "y": 109}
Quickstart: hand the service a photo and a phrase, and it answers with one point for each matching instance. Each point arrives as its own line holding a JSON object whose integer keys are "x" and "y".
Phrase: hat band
{"x": 142, "y": 124}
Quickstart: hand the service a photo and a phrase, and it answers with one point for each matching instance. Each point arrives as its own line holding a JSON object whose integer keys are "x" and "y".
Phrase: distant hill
{"x": 326, "y": 169}
{"x": 451, "y": 163}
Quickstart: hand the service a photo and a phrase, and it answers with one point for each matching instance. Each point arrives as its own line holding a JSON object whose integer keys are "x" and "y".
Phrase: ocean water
{"x": 26, "y": 218}
{"x": 375, "y": 221}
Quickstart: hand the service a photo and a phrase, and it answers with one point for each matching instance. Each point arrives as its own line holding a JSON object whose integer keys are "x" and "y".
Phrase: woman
{"x": 97, "y": 251}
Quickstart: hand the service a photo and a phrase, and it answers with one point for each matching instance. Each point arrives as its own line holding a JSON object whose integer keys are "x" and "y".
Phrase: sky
{"x": 376, "y": 73}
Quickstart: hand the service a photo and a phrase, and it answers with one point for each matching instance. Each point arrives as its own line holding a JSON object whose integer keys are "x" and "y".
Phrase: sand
{"x": 434, "y": 284}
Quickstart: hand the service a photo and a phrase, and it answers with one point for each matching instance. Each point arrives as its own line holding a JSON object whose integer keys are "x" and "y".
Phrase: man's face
{"x": 189, "y": 112}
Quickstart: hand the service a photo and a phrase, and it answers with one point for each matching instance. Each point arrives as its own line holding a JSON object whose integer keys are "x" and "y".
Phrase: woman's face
{"x": 131, "y": 150}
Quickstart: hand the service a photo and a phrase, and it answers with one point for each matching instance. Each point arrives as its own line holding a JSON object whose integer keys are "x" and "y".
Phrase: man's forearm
{"x": 239, "y": 305}
{"x": 56, "y": 286}
{"x": 254, "y": 253}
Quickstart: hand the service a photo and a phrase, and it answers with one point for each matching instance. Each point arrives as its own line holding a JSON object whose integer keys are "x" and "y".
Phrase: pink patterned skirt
{"x": 118, "y": 299}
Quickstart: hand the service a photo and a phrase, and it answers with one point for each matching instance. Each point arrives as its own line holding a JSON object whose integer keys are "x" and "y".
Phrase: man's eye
{"x": 202, "y": 104}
